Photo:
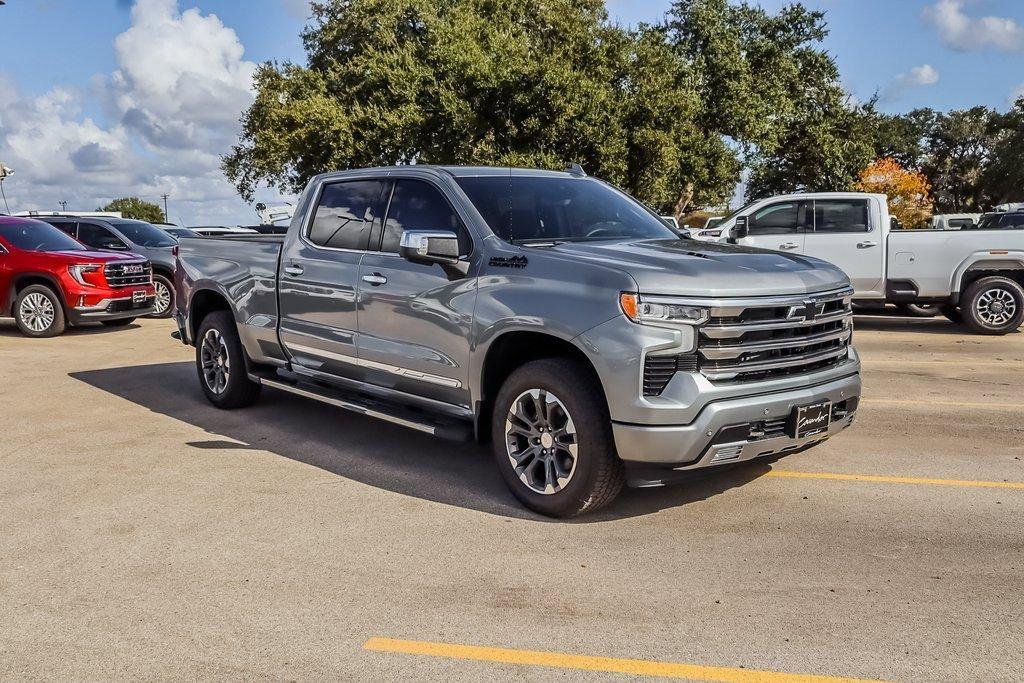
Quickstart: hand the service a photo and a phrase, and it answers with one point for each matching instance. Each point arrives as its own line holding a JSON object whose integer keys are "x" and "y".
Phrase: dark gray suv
{"x": 123, "y": 234}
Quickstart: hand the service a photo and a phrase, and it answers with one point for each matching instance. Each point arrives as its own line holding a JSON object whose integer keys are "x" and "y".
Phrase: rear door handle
{"x": 866, "y": 245}
{"x": 294, "y": 270}
{"x": 789, "y": 245}
{"x": 375, "y": 279}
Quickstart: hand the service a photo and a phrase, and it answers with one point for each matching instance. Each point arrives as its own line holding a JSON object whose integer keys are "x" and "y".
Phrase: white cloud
{"x": 962, "y": 32}
{"x": 916, "y": 77}
{"x": 172, "y": 108}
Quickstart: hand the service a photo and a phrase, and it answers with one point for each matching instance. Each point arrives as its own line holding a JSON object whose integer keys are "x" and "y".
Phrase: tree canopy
{"x": 133, "y": 207}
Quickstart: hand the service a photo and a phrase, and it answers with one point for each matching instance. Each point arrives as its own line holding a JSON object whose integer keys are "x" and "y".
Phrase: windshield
{"x": 183, "y": 232}
{"x": 144, "y": 234}
{"x": 38, "y": 236}
{"x": 560, "y": 209}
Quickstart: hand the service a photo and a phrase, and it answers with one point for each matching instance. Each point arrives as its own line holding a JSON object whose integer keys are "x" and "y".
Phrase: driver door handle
{"x": 294, "y": 271}
{"x": 866, "y": 245}
{"x": 789, "y": 245}
{"x": 375, "y": 279}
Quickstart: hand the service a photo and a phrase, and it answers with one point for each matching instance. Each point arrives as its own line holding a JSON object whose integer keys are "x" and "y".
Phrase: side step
{"x": 436, "y": 425}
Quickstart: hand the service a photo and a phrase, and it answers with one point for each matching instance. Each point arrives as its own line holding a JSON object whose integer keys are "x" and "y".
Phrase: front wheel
{"x": 163, "y": 302}
{"x": 220, "y": 363}
{"x": 993, "y": 305}
{"x": 38, "y": 311}
{"x": 552, "y": 439}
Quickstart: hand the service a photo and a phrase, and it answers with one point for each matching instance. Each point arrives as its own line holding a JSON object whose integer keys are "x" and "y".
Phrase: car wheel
{"x": 120, "y": 322}
{"x": 993, "y": 305}
{"x": 220, "y": 363}
{"x": 164, "y": 299}
{"x": 38, "y": 311}
{"x": 552, "y": 439}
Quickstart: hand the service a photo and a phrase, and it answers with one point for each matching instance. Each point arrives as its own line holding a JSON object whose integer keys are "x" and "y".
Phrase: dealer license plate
{"x": 138, "y": 296}
{"x": 810, "y": 420}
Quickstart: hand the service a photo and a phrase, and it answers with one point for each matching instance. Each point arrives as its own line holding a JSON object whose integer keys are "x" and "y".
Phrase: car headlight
{"x": 88, "y": 274}
{"x": 660, "y": 311}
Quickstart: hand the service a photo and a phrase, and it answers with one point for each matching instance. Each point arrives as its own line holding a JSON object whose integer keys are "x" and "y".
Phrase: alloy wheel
{"x": 163, "y": 298}
{"x": 996, "y": 306}
{"x": 215, "y": 362}
{"x": 37, "y": 312}
{"x": 541, "y": 441}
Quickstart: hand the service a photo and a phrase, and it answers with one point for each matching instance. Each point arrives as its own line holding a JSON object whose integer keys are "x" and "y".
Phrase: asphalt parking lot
{"x": 146, "y": 534}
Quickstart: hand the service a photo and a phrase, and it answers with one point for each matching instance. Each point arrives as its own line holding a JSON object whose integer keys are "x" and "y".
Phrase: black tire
{"x": 918, "y": 310}
{"x": 993, "y": 305}
{"x": 237, "y": 390}
{"x": 158, "y": 282}
{"x": 952, "y": 314}
{"x": 120, "y": 322}
{"x": 39, "y": 312}
{"x": 598, "y": 475}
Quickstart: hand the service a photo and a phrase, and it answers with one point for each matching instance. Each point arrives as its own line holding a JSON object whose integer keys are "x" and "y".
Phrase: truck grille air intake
{"x": 754, "y": 340}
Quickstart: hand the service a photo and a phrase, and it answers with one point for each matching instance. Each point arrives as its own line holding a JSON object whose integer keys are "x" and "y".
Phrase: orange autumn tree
{"x": 910, "y": 200}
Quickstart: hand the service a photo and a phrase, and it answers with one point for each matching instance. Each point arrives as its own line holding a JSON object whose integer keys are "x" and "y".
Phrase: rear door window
{"x": 841, "y": 215}
{"x": 344, "y": 214}
{"x": 98, "y": 237}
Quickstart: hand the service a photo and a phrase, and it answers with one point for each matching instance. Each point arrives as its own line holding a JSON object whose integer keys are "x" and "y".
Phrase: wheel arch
{"x": 201, "y": 304}
{"x": 510, "y": 350}
{"x": 1009, "y": 264}
{"x": 23, "y": 280}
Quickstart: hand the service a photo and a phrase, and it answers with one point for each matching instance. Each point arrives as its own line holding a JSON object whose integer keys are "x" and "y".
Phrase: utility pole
{"x": 166, "y": 218}
{"x": 63, "y": 205}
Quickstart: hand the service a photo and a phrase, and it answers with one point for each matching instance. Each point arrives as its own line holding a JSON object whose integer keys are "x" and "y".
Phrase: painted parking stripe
{"x": 926, "y": 481}
{"x": 947, "y": 404}
{"x": 956, "y": 363}
{"x": 559, "y": 660}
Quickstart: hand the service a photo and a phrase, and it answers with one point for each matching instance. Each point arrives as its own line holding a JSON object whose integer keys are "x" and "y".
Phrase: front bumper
{"x": 713, "y": 438}
{"x": 113, "y": 308}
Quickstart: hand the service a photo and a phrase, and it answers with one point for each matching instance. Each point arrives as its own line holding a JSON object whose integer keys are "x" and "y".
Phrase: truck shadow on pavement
{"x": 892, "y": 323}
{"x": 363, "y": 449}
{"x": 8, "y": 328}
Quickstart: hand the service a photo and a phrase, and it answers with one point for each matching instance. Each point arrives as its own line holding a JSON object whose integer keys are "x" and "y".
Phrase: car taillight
{"x": 89, "y": 274}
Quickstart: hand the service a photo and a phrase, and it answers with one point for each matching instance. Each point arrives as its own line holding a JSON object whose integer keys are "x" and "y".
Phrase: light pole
{"x": 5, "y": 172}
{"x": 166, "y": 218}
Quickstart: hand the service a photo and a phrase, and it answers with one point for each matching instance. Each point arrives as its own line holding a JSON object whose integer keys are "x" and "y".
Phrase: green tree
{"x": 957, "y": 151}
{"x": 133, "y": 207}
{"x": 1002, "y": 180}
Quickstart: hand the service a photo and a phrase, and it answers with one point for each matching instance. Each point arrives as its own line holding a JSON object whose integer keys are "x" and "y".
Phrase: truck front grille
{"x": 128, "y": 273}
{"x": 756, "y": 341}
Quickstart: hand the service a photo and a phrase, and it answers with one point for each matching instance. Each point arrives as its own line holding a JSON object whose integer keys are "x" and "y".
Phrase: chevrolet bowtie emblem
{"x": 808, "y": 310}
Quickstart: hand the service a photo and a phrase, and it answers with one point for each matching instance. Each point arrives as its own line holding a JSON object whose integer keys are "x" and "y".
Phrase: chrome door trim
{"x": 373, "y": 365}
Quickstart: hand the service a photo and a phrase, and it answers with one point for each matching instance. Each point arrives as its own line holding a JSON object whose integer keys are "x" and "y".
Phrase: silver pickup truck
{"x": 546, "y": 312}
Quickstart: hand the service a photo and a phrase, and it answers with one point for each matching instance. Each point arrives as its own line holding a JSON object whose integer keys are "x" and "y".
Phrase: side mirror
{"x": 430, "y": 247}
{"x": 742, "y": 228}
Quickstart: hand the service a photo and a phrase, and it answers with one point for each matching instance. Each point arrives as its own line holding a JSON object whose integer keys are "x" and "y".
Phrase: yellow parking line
{"x": 958, "y": 362}
{"x": 559, "y": 660}
{"x": 948, "y": 404}
{"x": 970, "y": 483}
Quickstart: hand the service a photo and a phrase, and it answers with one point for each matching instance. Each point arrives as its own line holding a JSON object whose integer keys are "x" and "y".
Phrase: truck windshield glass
{"x": 144, "y": 234}
{"x": 559, "y": 209}
{"x": 38, "y": 236}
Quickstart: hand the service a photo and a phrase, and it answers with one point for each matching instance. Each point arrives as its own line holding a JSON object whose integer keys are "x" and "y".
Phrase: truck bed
{"x": 934, "y": 260}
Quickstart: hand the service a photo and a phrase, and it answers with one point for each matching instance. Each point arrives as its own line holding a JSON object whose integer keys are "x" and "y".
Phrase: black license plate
{"x": 810, "y": 420}
{"x": 138, "y": 296}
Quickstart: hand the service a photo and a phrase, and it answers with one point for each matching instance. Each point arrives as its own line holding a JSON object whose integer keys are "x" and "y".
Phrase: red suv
{"x": 48, "y": 280}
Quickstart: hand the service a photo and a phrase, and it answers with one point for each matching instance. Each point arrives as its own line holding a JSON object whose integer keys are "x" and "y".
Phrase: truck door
{"x": 414, "y": 322}
{"x": 318, "y": 274}
{"x": 778, "y": 226}
{"x": 844, "y": 234}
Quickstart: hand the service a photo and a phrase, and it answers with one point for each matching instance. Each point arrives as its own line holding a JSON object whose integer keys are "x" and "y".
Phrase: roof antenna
{"x": 575, "y": 169}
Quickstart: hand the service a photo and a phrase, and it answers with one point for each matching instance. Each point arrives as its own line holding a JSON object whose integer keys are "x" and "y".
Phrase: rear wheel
{"x": 163, "y": 302}
{"x": 552, "y": 439}
{"x": 993, "y": 305}
{"x": 38, "y": 311}
{"x": 220, "y": 363}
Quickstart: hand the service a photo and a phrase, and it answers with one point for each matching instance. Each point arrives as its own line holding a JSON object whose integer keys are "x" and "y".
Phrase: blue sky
{"x": 103, "y": 95}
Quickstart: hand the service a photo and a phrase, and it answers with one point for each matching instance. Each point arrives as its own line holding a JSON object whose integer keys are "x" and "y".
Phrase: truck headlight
{"x": 90, "y": 275}
{"x": 660, "y": 311}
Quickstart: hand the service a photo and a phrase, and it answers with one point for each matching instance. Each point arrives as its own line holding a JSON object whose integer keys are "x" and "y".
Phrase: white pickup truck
{"x": 974, "y": 276}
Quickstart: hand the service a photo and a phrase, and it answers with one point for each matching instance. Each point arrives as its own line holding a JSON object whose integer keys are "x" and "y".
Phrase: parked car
{"x": 48, "y": 280}
{"x": 1010, "y": 220}
{"x": 549, "y": 312}
{"x": 123, "y": 234}
{"x": 975, "y": 276}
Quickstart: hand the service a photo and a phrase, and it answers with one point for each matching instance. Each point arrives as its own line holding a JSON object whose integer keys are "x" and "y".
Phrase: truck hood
{"x": 96, "y": 256}
{"x": 692, "y": 268}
